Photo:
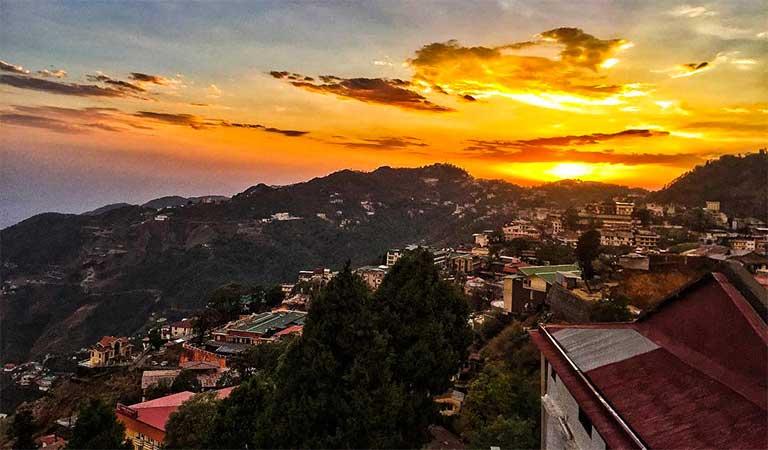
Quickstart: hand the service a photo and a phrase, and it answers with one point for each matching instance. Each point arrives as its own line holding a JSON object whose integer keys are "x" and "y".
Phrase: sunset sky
{"x": 125, "y": 101}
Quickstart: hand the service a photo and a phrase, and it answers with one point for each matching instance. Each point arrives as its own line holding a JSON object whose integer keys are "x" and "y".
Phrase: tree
{"x": 190, "y": 426}
{"x": 425, "y": 320}
{"x": 587, "y": 250}
{"x": 155, "y": 340}
{"x": 260, "y": 358}
{"x": 502, "y": 409}
{"x": 243, "y": 419}
{"x": 186, "y": 381}
{"x": 97, "y": 428}
{"x": 644, "y": 216}
{"x": 335, "y": 385}
{"x": 22, "y": 429}
{"x": 611, "y": 310}
{"x": 571, "y": 219}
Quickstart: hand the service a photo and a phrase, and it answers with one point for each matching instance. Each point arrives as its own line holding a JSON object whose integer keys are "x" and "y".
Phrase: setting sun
{"x": 571, "y": 170}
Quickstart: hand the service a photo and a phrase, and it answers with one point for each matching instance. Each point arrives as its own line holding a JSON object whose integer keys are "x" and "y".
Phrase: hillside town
{"x": 651, "y": 267}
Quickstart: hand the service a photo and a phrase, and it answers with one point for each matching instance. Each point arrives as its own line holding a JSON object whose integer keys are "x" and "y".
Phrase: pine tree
{"x": 425, "y": 320}
{"x": 192, "y": 424}
{"x": 22, "y": 428}
{"x": 97, "y": 428}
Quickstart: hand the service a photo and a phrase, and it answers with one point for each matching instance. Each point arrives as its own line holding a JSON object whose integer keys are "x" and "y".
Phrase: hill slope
{"x": 81, "y": 276}
{"x": 739, "y": 183}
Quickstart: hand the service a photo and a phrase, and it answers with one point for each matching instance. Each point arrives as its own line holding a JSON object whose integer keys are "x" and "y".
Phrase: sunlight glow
{"x": 570, "y": 170}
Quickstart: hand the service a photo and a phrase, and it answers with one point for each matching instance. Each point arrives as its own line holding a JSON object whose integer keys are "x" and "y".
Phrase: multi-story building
{"x": 462, "y": 263}
{"x": 176, "y": 330}
{"x": 624, "y": 208}
{"x": 110, "y": 350}
{"x": 616, "y": 238}
{"x": 393, "y": 255}
{"x": 482, "y": 239}
{"x": 145, "y": 422}
{"x": 261, "y": 327}
{"x": 689, "y": 374}
{"x": 742, "y": 244}
{"x": 646, "y": 239}
{"x": 520, "y": 229}
{"x": 529, "y": 287}
{"x": 712, "y": 206}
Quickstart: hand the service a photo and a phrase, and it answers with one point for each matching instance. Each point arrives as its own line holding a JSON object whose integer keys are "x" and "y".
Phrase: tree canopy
{"x": 97, "y": 428}
{"x": 190, "y": 426}
{"x": 587, "y": 250}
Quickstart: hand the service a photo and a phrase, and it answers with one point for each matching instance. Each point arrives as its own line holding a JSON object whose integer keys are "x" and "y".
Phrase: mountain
{"x": 739, "y": 183}
{"x": 173, "y": 201}
{"x": 106, "y": 208}
{"x": 68, "y": 279}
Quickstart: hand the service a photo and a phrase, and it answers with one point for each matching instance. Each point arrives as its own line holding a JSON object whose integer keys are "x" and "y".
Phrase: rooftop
{"x": 689, "y": 374}
{"x": 268, "y": 322}
{"x": 549, "y": 273}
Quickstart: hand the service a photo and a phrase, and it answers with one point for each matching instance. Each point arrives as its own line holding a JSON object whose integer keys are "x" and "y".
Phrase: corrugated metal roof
{"x": 591, "y": 348}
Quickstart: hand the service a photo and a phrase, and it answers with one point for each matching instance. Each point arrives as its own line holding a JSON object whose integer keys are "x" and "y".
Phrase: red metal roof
{"x": 155, "y": 413}
{"x": 704, "y": 387}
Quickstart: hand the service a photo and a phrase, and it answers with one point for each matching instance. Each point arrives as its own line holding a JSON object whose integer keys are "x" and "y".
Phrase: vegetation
{"x": 587, "y": 250}
{"x": 361, "y": 375}
{"x": 191, "y": 425}
{"x": 21, "y": 430}
{"x": 97, "y": 428}
{"x": 611, "y": 310}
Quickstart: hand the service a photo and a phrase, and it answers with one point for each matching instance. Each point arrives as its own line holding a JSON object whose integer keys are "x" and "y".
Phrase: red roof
{"x": 699, "y": 382}
{"x": 290, "y": 330}
{"x": 155, "y": 413}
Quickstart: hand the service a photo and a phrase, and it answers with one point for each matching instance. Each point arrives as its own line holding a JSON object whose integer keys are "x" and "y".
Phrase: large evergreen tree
{"x": 425, "y": 320}
{"x": 97, "y": 428}
{"x": 335, "y": 385}
{"x": 191, "y": 425}
{"x": 22, "y": 429}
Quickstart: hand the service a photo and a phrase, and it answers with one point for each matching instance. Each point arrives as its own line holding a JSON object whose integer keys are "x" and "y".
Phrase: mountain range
{"x": 69, "y": 279}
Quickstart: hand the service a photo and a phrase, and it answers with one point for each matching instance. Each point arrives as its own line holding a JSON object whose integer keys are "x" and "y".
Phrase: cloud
{"x": 8, "y": 67}
{"x": 385, "y": 91}
{"x": 552, "y": 149}
{"x": 56, "y": 87}
{"x": 47, "y": 123}
{"x": 146, "y": 78}
{"x": 733, "y": 58}
{"x": 199, "y": 123}
{"x": 692, "y": 12}
{"x": 569, "y": 82}
{"x": 55, "y": 73}
{"x": 382, "y": 143}
{"x": 119, "y": 84}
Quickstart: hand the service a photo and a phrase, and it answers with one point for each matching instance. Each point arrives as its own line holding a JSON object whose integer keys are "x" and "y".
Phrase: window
{"x": 585, "y": 422}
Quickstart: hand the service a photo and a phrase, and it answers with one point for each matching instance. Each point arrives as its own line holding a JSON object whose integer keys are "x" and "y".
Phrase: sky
{"x": 104, "y": 102}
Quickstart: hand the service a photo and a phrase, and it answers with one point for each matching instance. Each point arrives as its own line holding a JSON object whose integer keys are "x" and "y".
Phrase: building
{"x": 688, "y": 374}
{"x": 635, "y": 261}
{"x": 712, "y": 206}
{"x": 529, "y": 287}
{"x": 256, "y": 328}
{"x": 646, "y": 239}
{"x": 616, "y": 238}
{"x": 110, "y": 350}
{"x": 145, "y": 422}
{"x": 742, "y": 244}
{"x": 520, "y": 229}
{"x": 483, "y": 239}
{"x": 624, "y": 208}
{"x": 176, "y": 330}
{"x": 151, "y": 378}
{"x": 392, "y": 256}
{"x": 462, "y": 263}
{"x": 51, "y": 442}
{"x": 372, "y": 275}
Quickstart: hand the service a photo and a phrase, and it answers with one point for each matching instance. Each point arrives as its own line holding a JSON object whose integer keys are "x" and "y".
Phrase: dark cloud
{"x": 147, "y": 78}
{"x": 47, "y": 123}
{"x": 8, "y": 67}
{"x": 740, "y": 126}
{"x": 383, "y": 143}
{"x": 550, "y": 149}
{"x": 198, "y": 122}
{"x": 588, "y": 139}
{"x": 580, "y": 48}
{"x": 119, "y": 84}
{"x": 385, "y": 91}
{"x": 57, "y": 87}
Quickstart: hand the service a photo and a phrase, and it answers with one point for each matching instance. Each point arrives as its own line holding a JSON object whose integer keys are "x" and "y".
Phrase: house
{"x": 176, "y": 330}
{"x": 624, "y": 208}
{"x": 450, "y": 403}
{"x": 51, "y": 442}
{"x": 483, "y": 239}
{"x": 742, "y": 244}
{"x": 372, "y": 275}
{"x": 392, "y": 256}
{"x": 110, "y": 350}
{"x": 145, "y": 422}
{"x": 712, "y": 206}
{"x": 462, "y": 263}
{"x": 689, "y": 374}
{"x": 529, "y": 287}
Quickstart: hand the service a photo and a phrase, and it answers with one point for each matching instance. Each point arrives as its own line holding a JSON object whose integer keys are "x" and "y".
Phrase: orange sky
{"x": 631, "y": 94}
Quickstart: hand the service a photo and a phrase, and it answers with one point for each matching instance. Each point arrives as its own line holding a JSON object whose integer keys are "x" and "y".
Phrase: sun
{"x": 570, "y": 170}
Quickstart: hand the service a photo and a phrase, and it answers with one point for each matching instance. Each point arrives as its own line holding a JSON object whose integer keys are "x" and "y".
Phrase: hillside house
{"x": 529, "y": 287}
{"x": 110, "y": 350}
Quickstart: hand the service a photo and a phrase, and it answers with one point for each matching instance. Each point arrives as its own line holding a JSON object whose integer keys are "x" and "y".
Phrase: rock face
{"x": 68, "y": 279}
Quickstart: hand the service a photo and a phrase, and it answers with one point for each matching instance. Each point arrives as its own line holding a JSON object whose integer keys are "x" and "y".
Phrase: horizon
{"x": 104, "y": 105}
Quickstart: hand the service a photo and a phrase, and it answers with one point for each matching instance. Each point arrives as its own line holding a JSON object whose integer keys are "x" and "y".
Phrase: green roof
{"x": 548, "y": 273}
{"x": 267, "y": 322}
